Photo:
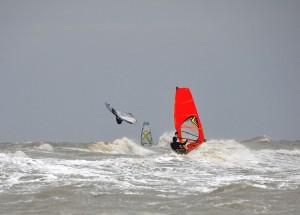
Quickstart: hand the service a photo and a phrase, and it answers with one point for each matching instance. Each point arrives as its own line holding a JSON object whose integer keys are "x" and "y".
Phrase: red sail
{"x": 186, "y": 119}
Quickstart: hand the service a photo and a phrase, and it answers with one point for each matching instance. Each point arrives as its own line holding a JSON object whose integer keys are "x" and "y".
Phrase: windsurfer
{"x": 120, "y": 115}
{"x": 118, "y": 119}
{"x": 178, "y": 146}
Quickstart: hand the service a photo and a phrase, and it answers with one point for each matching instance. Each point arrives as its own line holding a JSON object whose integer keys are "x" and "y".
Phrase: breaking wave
{"x": 17, "y": 154}
{"x": 224, "y": 152}
{"x": 45, "y": 147}
{"x": 119, "y": 146}
{"x": 259, "y": 139}
{"x": 222, "y": 166}
{"x": 165, "y": 139}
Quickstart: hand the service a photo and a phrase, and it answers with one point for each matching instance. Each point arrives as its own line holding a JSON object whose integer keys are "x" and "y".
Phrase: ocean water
{"x": 256, "y": 176}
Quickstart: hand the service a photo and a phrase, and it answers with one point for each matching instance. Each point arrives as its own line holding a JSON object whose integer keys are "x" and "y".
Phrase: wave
{"x": 294, "y": 152}
{"x": 233, "y": 188}
{"x": 165, "y": 139}
{"x": 18, "y": 154}
{"x": 119, "y": 146}
{"x": 225, "y": 153}
{"x": 259, "y": 139}
{"x": 45, "y": 147}
{"x": 220, "y": 166}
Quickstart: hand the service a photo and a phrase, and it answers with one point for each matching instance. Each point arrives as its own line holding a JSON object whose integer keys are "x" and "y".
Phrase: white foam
{"x": 45, "y": 147}
{"x": 120, "y": 146}
{"x": 294, "y": 152}
{"x": 234, "y": 202}
{"x": 165, "y": 139}
{"x": 211, "y": 166}
{"x": 19, "y": 154}
{"x": 279, "y": 159}
{"x": 219, "y": 152}
{"x": 260, "y": 139}
{"x": 225, "y": 153}
{"x": 74, "y": 149}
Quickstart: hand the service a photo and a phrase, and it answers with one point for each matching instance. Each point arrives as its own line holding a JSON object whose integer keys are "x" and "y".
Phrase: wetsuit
{"x": 178, "y": 147}
{"x": 118, "y": 119}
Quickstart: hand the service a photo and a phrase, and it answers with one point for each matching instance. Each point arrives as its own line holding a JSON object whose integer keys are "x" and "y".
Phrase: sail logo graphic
{"x": 146, "y": 134}
{"x": 194, "y": 121}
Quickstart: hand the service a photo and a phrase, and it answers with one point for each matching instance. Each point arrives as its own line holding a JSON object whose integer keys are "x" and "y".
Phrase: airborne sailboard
{"x": 146, "y": 135}
{"x": 187, "y": 121}
{"x": 120, "y": 115}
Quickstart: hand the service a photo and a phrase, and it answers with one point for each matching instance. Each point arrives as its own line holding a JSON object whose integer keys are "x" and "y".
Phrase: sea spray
{"x": 119, "y": 146}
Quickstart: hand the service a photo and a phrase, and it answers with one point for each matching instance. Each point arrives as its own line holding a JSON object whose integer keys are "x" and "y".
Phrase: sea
{"x": 222, "y": 176}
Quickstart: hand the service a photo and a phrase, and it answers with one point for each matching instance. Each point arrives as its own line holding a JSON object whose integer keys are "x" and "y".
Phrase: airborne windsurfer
{"x": 118, "y": 119}
{"x": 120, "y": 115}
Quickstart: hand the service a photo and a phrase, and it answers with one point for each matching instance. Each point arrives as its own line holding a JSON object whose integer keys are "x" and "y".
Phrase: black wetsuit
{"x": 178, "y": 147}
{"x": 118, "y": 119}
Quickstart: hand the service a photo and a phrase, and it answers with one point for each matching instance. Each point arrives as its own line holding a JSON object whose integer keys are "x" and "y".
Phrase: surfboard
{"x": 186, "y": 120}
{"x": 121, "y": 115}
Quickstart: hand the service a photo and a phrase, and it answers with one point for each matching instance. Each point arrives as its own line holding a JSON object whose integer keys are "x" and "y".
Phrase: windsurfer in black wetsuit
{"x": 118, "y": 119}
{"x": 178, "y": 146}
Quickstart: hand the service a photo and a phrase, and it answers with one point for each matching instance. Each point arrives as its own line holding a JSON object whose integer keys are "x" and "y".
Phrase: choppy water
{"x": 256, "y": 176}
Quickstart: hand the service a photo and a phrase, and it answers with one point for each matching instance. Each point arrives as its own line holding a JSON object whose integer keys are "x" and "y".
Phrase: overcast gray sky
{"x": 61, "y": 60}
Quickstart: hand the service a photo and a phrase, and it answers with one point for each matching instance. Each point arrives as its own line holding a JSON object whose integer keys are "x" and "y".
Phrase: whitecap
{"x": 119, "y": 146}
{"x": 45, "y": 147}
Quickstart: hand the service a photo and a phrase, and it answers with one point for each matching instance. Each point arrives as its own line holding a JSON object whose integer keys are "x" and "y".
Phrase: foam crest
{"x": 224, "y": 152}
{"x": 259, "y": 139}
{"x": 18, "y": 154}
{"x": 294, "y": 152}
{"x": 45, "y": 147}
{"x": 165, "y": 139}
{"x": 119, "y": 146}
{"x": 220, "y": 152}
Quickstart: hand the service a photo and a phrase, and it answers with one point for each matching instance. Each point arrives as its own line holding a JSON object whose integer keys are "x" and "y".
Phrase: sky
{"x": 60, "y": 61}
